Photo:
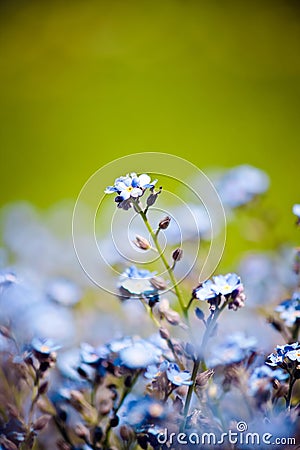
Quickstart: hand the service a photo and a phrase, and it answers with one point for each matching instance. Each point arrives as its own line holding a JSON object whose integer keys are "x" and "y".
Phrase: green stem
{"x": 164, "y": 260}
{"x": 209, "y": 329}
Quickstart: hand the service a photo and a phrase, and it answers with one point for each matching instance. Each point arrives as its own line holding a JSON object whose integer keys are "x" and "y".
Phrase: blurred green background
{"x": 84, "y": 82}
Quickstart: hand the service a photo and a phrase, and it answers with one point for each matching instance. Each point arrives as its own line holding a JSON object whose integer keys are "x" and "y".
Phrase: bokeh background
{"x": 84, "y": 82}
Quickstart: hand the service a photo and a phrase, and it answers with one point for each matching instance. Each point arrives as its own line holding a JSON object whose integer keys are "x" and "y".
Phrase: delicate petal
{"x": 144, "y": 179}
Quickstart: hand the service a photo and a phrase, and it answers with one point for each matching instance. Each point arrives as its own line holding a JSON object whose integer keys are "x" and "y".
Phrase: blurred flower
{"x": 91, "y": 355}
{"x": 7, "y": 277}
{"x": 154, "y": 371}
{"x": 63, "y": 291}
{"x": 234, "y": 349}
{"x": 238, "y": 186}
{"x": 44, "y": 346}
{"x": 289, "y": 310}
{"x": 139, "y": 354}
{"x": 144, "y": 411}
{"x": 262, "y": 377}
{"x": 130, "y": 186}
{"x": 178, "y": 377}
{"x": 140, "y": 283}
{"x": 296, "y": 210}
{"x": 267, "y": 276}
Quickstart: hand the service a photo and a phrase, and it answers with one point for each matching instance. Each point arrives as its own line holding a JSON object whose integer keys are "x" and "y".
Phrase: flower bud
{"x": 126, "y": 433}
{"x": 159, "y": 283}
{"x": 81, "y": 431}
{"x": 203, "y": 378}
{"x": 164, "y": 333}
{"x": 41, "y": 423}
{"x": 177, "y": 254}
{"x": 164, "y": 223}
{"x": 142, "y": 242}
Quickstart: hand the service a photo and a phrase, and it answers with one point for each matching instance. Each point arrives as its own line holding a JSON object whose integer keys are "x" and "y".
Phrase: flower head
{"x": 93, "y": 356}
{"x": 296, "y": 210}
{"x": 262, "y": 377}
{"x": 135, "y": 282}
{"x": 43, "y": 346}
{"x": 289, "y": 310}
{"x": 139, "y": 354}
{"x": 283, "y": 354}
{"x": 178, "y": 377}
{"x": 229, "y": 286}
{"x": 241, "y": 184}
{"x": 130, "y": 187}
{"x": 63, "y": 291}
{"x": 235, "y": 349}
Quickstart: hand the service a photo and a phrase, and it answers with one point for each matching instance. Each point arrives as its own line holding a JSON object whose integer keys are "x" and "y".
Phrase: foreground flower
{"x": 284, "y": 354}
{"x": 129, "y": 187}
{"x": 178, "y": 377}
{"x": 229, "y": 286}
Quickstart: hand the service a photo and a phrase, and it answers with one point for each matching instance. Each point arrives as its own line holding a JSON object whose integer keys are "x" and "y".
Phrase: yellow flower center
{"x": 45, "y": 349}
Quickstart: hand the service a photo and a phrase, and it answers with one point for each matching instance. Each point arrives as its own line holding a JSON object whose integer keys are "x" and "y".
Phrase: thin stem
{"x": 209, "y": 329}
{"x": 126, "y": 391}
{"x": 290, "y": 391}
{"x": 163, "y": 258}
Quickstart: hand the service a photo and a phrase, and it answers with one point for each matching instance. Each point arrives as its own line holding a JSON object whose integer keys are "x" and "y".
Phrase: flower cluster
{"x": 285, "y": 355}
{"x": 228, "y": 286}
{"x": 130, "y": 187}
{"x": 101, "y": 383}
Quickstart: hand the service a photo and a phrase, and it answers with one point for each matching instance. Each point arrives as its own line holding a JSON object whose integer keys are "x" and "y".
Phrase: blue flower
{"x": 63, "y": 291}
{"x": 293, "y": 355}
{"x": 139, "y": 354}
{"x": 137, "y": 282}
{"x": 289, "y": 310}
{"x": 235, "y": 349}
{"x": 178, "y": 377}
{"x": 93, "y": 356}
{"x": 129, "y": 187}
{"x": 144, "y": 411}
{"x": 262, "y": 377}
{"x": 290, "y": 351}
{"x": 154, "y": 371}
{"x": 43, "y": 346}
{"x": 240, "y": 185}
{"x": 296, "y": 210}
{"x": 205, "y": 292}
{"x": 225, "y": 285}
